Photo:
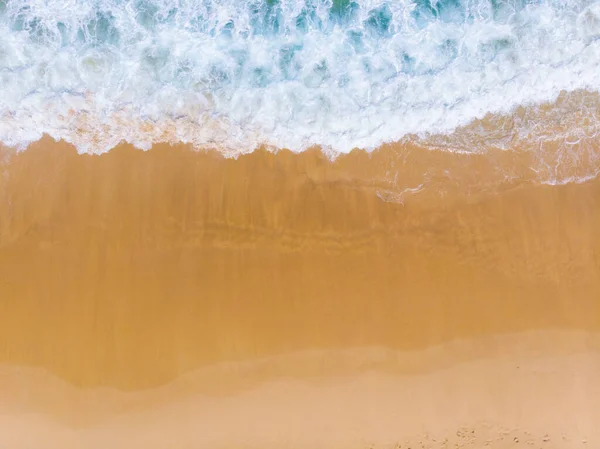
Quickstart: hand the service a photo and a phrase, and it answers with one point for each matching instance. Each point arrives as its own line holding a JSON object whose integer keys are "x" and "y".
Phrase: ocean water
{"x": 461, "y": 75}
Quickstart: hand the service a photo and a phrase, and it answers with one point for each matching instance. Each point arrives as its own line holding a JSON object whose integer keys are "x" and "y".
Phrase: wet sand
{"x": 173, "y": 297}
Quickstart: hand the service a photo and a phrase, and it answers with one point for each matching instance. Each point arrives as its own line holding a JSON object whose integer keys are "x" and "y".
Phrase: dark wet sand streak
{"x": 132, "y": 268}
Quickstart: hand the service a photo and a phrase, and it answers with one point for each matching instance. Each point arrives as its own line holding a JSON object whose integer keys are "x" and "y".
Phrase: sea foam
{"x": 235, "y": 75}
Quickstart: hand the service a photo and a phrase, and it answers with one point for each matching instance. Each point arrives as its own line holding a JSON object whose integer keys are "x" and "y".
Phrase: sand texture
{"x": 408, "y": 298}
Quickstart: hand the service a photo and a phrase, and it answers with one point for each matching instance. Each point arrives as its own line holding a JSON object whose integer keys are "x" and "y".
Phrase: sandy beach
{"x": 407, "y": 298}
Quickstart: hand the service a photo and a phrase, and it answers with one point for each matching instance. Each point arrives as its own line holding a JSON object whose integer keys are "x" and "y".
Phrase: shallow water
{"x": 296, "y": 73}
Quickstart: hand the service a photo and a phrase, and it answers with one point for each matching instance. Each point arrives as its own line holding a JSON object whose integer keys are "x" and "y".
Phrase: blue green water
{"x": 286, "y": 73}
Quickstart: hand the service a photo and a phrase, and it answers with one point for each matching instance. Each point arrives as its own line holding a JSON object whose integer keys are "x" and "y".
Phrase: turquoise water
{"x": 288, "y": 73}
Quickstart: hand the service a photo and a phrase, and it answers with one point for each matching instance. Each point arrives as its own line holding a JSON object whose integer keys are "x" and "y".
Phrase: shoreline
{"x": 170, "y": 260}
{"x": 282, "y": 300}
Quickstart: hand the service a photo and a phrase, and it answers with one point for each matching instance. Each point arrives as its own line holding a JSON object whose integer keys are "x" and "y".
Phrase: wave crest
{"x": 288, "y": 74}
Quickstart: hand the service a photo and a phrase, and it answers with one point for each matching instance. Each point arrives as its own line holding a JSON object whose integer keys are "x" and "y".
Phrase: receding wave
{"x": 298, "y": 73}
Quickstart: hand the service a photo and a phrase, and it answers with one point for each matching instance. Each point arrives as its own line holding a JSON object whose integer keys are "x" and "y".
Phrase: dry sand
{"x": 174, "y": 299}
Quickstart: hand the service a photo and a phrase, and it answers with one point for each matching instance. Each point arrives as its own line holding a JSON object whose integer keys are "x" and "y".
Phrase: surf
{"x": 296, "y": 73}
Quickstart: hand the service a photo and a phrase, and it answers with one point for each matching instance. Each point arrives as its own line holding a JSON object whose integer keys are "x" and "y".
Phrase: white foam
{"x": 167, "y": 71}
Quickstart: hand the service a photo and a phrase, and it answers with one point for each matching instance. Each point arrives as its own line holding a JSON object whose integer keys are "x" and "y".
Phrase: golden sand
{"x": 174, "y": 298}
